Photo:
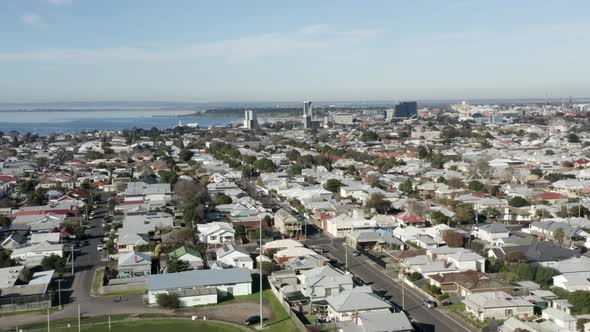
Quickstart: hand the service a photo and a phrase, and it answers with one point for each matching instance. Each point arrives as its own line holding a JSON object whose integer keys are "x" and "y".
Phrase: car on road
{"x": 429, "y": 303}
{"x": 356, "y": 253}
{"x": 252, "y": 320}
{"x": 100, "y": 247}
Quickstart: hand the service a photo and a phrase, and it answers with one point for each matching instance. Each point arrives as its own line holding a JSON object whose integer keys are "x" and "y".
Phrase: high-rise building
{"x": 406, "y": 109}
{"x": 307, "y": 115}
{"x": 250, "y": 120}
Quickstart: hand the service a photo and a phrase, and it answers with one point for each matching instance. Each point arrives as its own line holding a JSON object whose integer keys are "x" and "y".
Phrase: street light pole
{"x": 72, "y": 260}
{"x": 403, "y": 290}
{"x": 260, "y": 262}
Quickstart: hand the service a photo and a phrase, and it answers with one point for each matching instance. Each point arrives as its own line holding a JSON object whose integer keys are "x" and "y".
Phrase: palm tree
{"x": 559, "y": 235}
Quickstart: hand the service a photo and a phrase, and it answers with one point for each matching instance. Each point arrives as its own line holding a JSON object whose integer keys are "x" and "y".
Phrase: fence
{"x": 27, "y": 302}
{"x": 287, "y": 308}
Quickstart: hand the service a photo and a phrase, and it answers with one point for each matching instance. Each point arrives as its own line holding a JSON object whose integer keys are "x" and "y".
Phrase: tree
{"x": 368, "y": 135}
{"x": 573, "y": 138}
{"x": 221, "y": 199}
{"x": 177, "y": 265}
{"x": 518, "y": 201}
{"x": 559, "y": 235}
{"x": 464, "y": 214}
{"x": 475, "y": 186}
{"x": 378, "y": 202}
{"x": 438, "y": 217}
{"x": 25, "y": 276}
{"x": 581, "y": 323}
{"x": 5, "y": 222}
{"x": 491, "y": 213}
{"x": 185, "y": 154}
{"x": 264, "y": 165}
{"x": 53, "y": 262}
{"x": 295, "y": 170}
{"x": 456, "y": 183}
{"x": 5, "y": 260}
{"x": 167, "y": 300}
{"x": 477, "y": 246}
{"x": 453, "y": 239}
{"x": 293, "y": 155}
{"x": 333, "y": 185}
{"x": 481, "y": 169}
{"x": 42, "y": 162}
{"x": 415, "y": 276}
{"x": 406, "y": 187}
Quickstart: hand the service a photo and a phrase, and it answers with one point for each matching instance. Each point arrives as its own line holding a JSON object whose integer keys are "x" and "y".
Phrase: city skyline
{"x": 68, "y": 50}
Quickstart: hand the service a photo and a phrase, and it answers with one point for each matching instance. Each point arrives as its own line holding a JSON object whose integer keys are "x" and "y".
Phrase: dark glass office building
{"x": 406, "y": 109}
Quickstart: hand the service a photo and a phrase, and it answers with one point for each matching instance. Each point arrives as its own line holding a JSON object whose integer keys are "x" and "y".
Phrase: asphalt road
{"x": 384, "y": 285}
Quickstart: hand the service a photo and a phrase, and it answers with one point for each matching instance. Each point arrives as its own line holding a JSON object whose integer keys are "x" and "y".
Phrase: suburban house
{"x": 192, "y": 256}
{"x": 322, "y": 282}
{"x": 134, "y": 264}
{"x": 345, "y": 305}
{"x": 467, "y": 283}
{"x": 382, "y": 321}
{"x": 498, "y": 305}
{"x": 491, "y": 232}
{"x": 409, "y": 218}
{"x": 284, "y": 255}
{"x": 286, "y": 223}
{"x": 35, "y": 253}
{"x": 128, "y": 242}
{"x": 232, "y": 256}
{"x": 271, "y": 247}
{"x": 191, "y": 285}
{"x": 216, "y": 233}
{"x": 542, "y": 253}
{"x": 156, "y": 195}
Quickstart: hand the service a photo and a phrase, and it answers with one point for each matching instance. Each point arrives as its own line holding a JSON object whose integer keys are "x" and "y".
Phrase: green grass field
{"x": 158, "y": 326}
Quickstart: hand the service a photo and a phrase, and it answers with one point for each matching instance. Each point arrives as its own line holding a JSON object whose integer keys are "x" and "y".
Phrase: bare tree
{"x": 481, "y": 169}
{"x": 417, "y": 207}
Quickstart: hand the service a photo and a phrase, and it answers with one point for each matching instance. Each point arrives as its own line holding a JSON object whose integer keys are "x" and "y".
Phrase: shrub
{"x": 166, "y": 300}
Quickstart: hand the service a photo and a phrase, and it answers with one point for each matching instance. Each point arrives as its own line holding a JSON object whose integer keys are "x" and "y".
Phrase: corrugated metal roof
{"x": 199, "y": 278}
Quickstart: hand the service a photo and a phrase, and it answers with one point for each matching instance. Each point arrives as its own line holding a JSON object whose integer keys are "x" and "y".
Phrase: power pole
{"x": 48, "y": 325}
{"x": 59, "y": 291}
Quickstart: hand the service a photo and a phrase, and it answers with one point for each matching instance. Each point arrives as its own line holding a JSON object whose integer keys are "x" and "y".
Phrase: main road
{"x": 384, "y": 284}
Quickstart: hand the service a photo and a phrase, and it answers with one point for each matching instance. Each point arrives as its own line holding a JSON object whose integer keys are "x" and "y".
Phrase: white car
{"x": 100, "y": 247}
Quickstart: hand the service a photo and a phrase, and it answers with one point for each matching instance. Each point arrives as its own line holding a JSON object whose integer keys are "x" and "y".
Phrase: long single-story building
{"x": 234, "y": 282}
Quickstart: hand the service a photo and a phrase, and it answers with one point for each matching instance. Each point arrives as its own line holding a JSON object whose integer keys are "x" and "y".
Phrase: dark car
{"x": 252, "y": 320}
{"x": 356, "y": 253}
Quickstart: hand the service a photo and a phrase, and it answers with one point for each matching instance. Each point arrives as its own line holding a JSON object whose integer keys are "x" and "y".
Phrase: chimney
{"x": 446, "y": 264}
{"x": 135, "y": 258}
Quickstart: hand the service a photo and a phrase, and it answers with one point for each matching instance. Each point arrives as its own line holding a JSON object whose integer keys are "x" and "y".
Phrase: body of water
{"x": 48, "y": 122}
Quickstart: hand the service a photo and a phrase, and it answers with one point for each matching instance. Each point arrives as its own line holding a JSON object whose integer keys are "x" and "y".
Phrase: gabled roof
{"x": 134, "y": 259}
{"x": 184, "y": 251}
{"x": 359, "y": 298}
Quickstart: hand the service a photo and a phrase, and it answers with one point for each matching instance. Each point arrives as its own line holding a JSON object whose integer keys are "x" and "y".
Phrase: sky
{"x": 218, "y": 50}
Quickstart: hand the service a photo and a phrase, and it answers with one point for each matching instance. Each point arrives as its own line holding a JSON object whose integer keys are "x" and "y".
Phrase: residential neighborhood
{"x": 451, "y": 223}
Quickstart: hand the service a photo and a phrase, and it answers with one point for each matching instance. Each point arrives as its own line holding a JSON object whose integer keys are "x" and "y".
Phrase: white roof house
{"x": 216, "y": 233}
{"x": 343, "y": 306}
{"x": 499, "y": 305}
{"x": 9, "y": 275}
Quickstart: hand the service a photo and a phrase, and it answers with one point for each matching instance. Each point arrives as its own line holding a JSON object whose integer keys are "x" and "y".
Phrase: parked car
{"x": 356, "y": 253}
{"x": 252, "y": 320}
{"x": 429, "y": 303}
{"x": 100, "y": 247}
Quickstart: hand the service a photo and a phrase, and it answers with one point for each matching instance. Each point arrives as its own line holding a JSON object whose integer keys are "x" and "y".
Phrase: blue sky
{"x": 97, "y": 50}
